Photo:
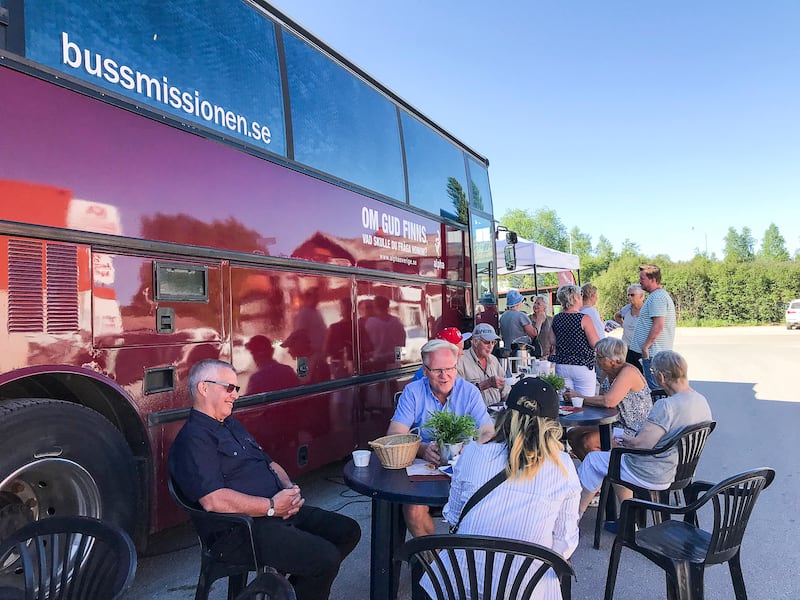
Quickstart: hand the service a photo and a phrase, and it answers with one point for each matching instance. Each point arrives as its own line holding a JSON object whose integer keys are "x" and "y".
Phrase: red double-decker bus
{"x": 181, "y": 181}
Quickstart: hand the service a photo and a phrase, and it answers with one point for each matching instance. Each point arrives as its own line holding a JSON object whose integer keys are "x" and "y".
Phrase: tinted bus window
{"x": 436, "y": 173}
{"x": 483, "y": 258}
{"x": 480, "y": 196}
{"x": 3, "y": 23}
{"x": 221, "y": 73}
{"x": 341, "y": 125}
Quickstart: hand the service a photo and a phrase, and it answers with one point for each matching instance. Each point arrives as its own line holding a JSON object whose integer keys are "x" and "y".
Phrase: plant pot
{"x": 449, "y": 451}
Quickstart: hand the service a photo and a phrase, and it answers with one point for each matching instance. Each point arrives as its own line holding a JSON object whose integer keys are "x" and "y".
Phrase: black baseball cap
{"x": 533, "y": 397}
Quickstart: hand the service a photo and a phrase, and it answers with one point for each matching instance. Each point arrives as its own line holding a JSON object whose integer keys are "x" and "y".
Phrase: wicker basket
{"x": 397, "y": 451}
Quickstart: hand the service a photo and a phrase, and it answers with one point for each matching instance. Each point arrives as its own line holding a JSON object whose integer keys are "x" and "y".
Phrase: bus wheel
{"x": 59, "y": 458}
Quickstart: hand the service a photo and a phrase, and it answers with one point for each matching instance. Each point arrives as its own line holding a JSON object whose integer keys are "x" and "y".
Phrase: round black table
{"x": 389, "y": 490}
{"x": 603, "y": 418}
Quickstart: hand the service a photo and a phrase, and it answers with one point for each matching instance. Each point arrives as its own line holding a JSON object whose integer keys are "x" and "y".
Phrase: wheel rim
{"x": 48, "y": 487}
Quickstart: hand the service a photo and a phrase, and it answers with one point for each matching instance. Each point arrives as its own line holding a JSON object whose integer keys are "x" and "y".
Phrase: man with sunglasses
{"x": 440, "y": 389}
{"x": 217, "y": 463}
{"x": 481, "y": 368}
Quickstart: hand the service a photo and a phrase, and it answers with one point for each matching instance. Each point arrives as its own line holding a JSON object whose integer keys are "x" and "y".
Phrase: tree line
{"x": 746, "y": 286}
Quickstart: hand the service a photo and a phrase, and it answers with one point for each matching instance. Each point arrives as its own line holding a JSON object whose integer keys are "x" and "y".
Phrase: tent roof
{"x": 531, "y": 255}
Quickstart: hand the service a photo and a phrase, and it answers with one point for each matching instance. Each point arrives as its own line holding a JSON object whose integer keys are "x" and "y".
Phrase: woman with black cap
{"x": 538, "y": 500}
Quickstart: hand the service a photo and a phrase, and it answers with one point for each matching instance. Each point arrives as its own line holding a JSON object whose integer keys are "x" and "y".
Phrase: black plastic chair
{"x": 689, "y": 443}
{"x": 658, "y": 394}
{"x": 67, "y": 558}
{"x": 227, "y": 545}
{"x": 680, "y": 547}
{"x": 268, "y": 586}
{"x": 422, "y": 554}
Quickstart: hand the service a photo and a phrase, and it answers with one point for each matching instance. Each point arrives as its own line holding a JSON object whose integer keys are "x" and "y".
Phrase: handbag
{"x": 478, "y": 496}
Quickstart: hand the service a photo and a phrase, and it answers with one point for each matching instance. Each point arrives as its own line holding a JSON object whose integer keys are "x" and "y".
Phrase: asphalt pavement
{"x": 751, "y": 377}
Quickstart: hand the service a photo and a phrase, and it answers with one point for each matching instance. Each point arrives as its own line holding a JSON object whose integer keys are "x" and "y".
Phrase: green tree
{"x": 459, "y": 199}
{"x": 629, "y": 248}
{"x": 477, "y": 199}
{"x": 542, "y": 226}
{"x": 581, "y": 242}
{"x": 739, "y": 247}
{"x": 773, "y": 246}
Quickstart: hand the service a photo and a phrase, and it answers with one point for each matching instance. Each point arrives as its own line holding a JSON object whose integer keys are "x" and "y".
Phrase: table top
{"x": 590, "y": 415}
{"x": 394, "y": 485}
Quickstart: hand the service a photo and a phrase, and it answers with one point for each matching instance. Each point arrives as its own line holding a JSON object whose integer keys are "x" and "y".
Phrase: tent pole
{"x": 535, "y": 281}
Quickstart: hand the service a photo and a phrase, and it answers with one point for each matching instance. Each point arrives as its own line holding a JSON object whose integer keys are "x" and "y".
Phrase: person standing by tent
{"x": 515, "y": 325}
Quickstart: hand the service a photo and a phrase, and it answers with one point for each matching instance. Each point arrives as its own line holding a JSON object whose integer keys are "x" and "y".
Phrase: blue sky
{"x": 660, "y": 122}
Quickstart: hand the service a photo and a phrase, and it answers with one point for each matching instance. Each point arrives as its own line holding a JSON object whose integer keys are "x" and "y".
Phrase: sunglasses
{"x": 229, "y": 387}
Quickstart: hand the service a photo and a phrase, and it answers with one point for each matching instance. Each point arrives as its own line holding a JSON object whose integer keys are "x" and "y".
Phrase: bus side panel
{"x": 392, "y": 325}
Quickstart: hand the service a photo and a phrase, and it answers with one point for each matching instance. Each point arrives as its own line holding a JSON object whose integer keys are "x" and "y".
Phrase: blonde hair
{"x": 530, "y": 441}
{"x": 671, "y": 365}
{"x": 568, "y": 295}
{"x": 588, "y": 290}
{"x": 611, "y": 348}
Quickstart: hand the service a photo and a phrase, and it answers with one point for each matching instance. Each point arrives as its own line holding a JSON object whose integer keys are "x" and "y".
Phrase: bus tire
{"x": 60, "y": 458}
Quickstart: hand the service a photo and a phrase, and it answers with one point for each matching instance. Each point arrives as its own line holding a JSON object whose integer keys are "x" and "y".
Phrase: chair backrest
{"x": 690, "y": 444}
{"x": 733, "y": 500}
{"x": 69, "y": 558}
{"x": 226, "y": 536}
{"x": 484, "y": 567}
{"x": 658, "y": 394}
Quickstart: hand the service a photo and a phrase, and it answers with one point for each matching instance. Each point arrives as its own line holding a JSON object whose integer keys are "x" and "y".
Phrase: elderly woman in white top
{"x": 538, "y": 502}
{"x": 629, "y": 314}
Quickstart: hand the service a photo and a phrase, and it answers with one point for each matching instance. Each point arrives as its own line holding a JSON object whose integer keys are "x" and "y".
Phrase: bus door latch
{"x": 165, "y": 320}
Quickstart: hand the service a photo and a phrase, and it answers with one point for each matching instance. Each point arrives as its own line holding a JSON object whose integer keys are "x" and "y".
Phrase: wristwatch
{"x": 271, "y": 511}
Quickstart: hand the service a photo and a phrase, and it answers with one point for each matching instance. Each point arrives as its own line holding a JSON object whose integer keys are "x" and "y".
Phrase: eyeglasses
{"x": 229, "y": 387}
{"x": 440, "y": 372}
{"x": 490, "y": 342}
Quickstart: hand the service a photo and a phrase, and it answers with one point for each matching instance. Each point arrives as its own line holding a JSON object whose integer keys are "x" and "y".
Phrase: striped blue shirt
{"x": 542, "y": 510}
{"x": 658, "y": 304}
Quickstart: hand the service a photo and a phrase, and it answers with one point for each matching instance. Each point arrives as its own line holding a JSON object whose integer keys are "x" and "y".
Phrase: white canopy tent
{"x": 533, "y": 258}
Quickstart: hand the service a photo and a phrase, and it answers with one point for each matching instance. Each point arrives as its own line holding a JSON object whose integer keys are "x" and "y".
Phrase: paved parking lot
{"x": 752, "y": 380}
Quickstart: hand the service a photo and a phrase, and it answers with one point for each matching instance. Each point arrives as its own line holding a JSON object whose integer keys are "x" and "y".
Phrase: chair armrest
{"x": 210, "y": 525}
{"x": 618, "y": 452}
{"x": 631, "y": 509}
{"x": 694, "y": 489}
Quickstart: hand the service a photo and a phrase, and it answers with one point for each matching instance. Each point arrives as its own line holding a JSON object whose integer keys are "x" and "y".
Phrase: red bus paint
{"x": 130, "y": 249}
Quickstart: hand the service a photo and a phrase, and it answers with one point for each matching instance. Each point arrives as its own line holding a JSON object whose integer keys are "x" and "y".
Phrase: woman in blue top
{"x": 573, "y": 334}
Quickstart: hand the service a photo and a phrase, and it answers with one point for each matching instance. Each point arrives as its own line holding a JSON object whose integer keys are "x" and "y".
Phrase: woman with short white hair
{"x": 629, "y": 314}
{"x": 623, "y": 387}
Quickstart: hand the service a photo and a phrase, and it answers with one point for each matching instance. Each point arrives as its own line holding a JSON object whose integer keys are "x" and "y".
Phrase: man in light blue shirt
{"x": 655, "y": 328}
{"x": 440, "y": 389}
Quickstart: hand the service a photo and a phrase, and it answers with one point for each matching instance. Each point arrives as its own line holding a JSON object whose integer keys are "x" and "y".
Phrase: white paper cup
{"x": 361, "y": 458}
{"x": 577, "y": 402}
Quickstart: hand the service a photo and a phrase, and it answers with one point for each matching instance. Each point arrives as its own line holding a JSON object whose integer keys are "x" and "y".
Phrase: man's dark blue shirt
{"x": 208, "y": 455}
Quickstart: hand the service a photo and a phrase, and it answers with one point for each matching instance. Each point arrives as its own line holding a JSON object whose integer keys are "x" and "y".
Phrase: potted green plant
{"x": 556, "y": 381}
{"x": 450, "y": 432}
